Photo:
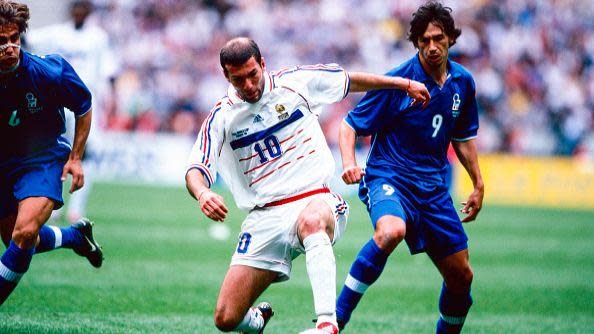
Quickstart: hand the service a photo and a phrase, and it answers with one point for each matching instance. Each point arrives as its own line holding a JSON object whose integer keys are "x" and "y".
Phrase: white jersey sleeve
{"x": 205, "y": 152}
{"x": 320, "y": 84}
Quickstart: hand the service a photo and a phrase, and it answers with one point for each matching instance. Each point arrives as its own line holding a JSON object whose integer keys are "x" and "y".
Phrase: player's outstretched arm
{"x": 82, "y": 127}
{"x": 346, "y": 141}
{"x": 467, "y": 153}
{"x": 363, "y": 82}
{"x": 211, "y": 203}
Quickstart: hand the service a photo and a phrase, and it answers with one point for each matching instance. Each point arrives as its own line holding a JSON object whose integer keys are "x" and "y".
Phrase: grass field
{"x": 534, "y": 273}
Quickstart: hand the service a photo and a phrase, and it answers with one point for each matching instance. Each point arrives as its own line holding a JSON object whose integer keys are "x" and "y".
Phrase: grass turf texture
{"x": 534, "y": 273}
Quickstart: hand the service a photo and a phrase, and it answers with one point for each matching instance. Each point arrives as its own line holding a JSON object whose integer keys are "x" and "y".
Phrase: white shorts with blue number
{"x": 268, "y": 238}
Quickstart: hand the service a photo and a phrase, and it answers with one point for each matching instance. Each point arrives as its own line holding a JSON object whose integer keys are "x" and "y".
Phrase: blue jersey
{"x": 32, "y": 106}
{"x": 410, "y": 140}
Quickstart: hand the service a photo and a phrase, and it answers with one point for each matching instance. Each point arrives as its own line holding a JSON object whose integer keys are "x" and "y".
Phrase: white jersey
{"x": 274, "y": 148}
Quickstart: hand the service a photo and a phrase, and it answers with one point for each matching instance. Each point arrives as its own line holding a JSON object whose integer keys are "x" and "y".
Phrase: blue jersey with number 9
{"x": 412, "y": 140}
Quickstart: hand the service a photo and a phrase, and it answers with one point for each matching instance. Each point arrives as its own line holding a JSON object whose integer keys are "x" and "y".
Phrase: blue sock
{"x": 453, "y": 309}
{"x": 366, "y": 269}
{"x": 13, "y": 264}
{"x": 52, "y": 237}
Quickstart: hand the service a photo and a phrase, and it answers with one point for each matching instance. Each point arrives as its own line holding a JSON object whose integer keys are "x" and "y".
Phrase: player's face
{"x": 433, "y": 46}
{"x": 9, "y": 56}
{"x": 247, "y": 79}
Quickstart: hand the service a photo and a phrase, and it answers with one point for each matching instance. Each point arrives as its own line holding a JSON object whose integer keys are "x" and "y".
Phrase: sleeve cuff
{"x": 348, "y": 122}
{"x": 347, "y": 85}
{"x": 205, "y": 172}
{"x": 84, "y": 113}
{"x": 464, "y": 138}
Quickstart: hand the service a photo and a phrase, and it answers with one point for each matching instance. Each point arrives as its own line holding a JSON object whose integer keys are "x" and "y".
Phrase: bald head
{"x": 238, "y": 51}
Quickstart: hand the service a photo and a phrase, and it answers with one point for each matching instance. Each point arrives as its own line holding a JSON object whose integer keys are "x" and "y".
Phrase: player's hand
{"x": 419, "y": 93}
{"x": 213, "y": 206}
{"x": 473, "y": 205}
{"x": 352, "y": 175}
{"x": 74, "y": 168}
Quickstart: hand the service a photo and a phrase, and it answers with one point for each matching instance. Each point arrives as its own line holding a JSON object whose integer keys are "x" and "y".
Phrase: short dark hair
{"x": 436, "y": 13}
{"x": 14, "y": 13}
{"x": 239, "y": 50}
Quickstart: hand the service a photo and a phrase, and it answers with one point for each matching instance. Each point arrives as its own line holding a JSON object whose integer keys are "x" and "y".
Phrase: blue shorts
{"x": 35, "y": 176}
{"x": 432, "y": 223}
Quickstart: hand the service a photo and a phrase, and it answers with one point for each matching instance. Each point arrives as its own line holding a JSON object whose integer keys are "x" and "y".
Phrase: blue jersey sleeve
{"x": 372, "y": 112}
{"x": 467, "y": 124}
{"x": 72, "y": 92}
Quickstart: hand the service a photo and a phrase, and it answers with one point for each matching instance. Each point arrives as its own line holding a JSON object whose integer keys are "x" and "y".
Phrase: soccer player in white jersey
{"x": 86, "y": 46}
{"x": 265, "y": 141}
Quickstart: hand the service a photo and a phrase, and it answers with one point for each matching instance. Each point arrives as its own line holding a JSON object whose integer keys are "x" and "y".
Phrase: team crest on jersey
{"x": 456, "y": 105}
{"x": 240, "y": 133}
{"x": 281, "y": 110}
{"x": 32, "y": 103}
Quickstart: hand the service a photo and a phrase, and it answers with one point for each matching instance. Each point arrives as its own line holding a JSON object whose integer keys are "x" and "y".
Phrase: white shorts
{"x": 268, "y": 238}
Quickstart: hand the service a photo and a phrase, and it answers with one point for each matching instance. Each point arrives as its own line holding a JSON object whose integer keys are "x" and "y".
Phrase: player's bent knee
{"x": 389, "y": 232}
{"x": 226, "y": 321}
{"x": 311, "y": 223}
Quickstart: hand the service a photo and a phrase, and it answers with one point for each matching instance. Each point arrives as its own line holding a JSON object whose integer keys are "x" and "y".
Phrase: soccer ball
{"x": 219, "y": 231}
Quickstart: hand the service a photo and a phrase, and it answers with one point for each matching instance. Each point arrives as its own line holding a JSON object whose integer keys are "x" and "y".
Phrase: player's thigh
{"x": 240, "y": 288}
{"x": 33, "y": 212}
{"x": 384, "y": 198}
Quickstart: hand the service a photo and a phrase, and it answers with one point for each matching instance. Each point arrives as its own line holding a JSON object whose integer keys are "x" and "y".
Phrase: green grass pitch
{"x": 534, "y": 273}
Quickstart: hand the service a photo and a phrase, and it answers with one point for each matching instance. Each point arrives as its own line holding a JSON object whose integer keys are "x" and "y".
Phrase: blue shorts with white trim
{"x": 432, "y": 223}
{"x": 35, "y": 176}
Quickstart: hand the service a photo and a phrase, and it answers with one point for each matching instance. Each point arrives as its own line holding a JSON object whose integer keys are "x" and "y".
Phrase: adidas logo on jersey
{"x": 258, "y": 119}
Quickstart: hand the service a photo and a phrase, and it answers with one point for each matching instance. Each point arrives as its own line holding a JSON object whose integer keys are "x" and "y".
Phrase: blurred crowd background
{"x": 532, "y": 60}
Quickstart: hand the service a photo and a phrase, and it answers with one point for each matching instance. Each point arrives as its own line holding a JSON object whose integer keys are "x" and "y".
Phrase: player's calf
{"x": 455, "y": 299}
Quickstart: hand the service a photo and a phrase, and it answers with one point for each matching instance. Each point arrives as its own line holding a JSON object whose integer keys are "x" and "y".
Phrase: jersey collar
{"x": 268, "y": 86}
{"x": 422, "y": 76}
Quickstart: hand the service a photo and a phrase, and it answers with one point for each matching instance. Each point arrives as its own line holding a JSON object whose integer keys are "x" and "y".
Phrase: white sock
{"x": 252, "y": 322}
{"x": 321, "y": 269}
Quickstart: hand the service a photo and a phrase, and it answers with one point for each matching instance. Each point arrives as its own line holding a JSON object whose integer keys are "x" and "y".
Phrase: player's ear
{"x": 263, "y": 63}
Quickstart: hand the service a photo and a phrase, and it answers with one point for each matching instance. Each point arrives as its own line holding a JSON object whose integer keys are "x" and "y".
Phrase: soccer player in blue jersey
{"x": 34, "y": 157}
{"x": 404, "y": 184}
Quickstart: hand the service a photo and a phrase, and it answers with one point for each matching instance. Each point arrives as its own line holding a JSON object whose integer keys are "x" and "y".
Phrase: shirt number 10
{"x": 271, "y": 145}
